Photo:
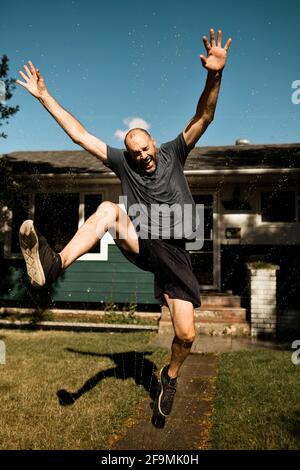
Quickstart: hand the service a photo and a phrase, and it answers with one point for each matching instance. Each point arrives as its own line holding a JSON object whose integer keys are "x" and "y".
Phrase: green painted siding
{"x": 115, "y": 280}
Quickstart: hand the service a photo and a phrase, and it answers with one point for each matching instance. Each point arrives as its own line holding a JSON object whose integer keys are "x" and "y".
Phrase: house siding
{"x": 113, "y": 281}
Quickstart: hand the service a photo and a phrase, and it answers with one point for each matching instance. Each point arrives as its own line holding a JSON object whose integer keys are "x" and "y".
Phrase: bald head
{"x": 132, "y": 133}
{"x": 142, "y": 149}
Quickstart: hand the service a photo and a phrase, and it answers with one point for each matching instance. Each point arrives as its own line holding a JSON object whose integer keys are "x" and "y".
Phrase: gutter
{"x": 112, "y": 178}
{"x": 244, "y": 171}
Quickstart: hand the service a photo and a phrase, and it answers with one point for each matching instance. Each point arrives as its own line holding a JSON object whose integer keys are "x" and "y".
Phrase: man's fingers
{"x": 32, "y": 67}
{"x": 39, "y": 76}
{"x": 212, "y": 37}
{"x": 206, "y": 43}
{"x": 21, "y": 83}
{"x": 27, "y": 70}
{"x": 227, "y": 45}
{"x": 203, "y": 60}
{"x": 219, "y": 39}
{"x": 24, "y": 76}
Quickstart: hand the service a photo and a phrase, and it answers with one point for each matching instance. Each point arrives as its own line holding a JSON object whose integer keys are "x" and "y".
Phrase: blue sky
{"x": 110, "y": 61}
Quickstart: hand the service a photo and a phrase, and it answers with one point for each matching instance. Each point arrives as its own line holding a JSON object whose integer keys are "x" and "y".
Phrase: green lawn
{"x": 257, "y": 401}
{"x": 103, "y": 376}
{"x": 64, "y": 390}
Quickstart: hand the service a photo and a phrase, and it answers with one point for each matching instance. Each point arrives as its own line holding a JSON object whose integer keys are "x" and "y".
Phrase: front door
{"x": 206, "y": 261}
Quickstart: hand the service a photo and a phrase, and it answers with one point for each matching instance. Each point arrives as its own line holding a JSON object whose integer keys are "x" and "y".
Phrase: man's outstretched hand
{"x": 34, "y": 81}
{"x": 216, "y": 54}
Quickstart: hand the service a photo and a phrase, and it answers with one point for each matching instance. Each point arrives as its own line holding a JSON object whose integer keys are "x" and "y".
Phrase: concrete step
{"x": 220, "y": 314}
{"x": 213, "y": 315}
{"x": 210, "y": 328}
{"x": 220, "y": 299}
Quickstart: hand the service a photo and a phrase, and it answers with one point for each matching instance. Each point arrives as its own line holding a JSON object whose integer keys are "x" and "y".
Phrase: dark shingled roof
{"x": 244, "y": 156}
{"x": 277, "y": 156}
{"x": 62, "y": 161}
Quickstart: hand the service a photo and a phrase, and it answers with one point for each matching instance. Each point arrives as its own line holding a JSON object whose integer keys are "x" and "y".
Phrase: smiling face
{"x": 142, "y": 149}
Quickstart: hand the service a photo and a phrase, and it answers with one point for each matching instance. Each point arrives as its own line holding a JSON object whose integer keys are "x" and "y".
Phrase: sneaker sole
{"x": 160, "y": 395}
{"x": 29, "y": 244}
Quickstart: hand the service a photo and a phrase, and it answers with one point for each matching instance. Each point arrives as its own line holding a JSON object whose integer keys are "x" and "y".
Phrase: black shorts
{"x": 172, "y": 268}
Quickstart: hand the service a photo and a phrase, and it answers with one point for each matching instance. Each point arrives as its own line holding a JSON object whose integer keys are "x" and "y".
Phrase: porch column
{"x": 263, "y": 302}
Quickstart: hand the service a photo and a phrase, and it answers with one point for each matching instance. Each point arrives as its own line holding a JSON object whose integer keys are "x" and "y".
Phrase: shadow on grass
{"x": 292, "y": 423}
{"x": 130, "y": 364}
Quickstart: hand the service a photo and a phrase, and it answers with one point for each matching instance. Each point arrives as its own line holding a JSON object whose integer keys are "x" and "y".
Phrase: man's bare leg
{"x": 182, "y": 315}
{"x": 44, "y": 265}
{"x": 108, "y": 216}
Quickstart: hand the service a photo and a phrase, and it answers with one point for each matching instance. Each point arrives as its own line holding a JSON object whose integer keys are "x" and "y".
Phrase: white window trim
{"x": 106, "y": 240}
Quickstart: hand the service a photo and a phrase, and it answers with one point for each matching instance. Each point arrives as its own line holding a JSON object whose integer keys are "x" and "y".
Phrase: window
{"x": 278, "y": 206}
{"x": 56, "y": 217}
{"x": 207, "y": 200}
{"x": 236, "y": 204}
{"x": 203, "y": 260}
{"x": 91, "y": 203}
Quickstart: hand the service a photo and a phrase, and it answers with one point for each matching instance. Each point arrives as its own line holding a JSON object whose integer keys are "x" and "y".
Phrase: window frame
{"x": 107, "y": 239}
{"x": 297, "y": 207}
{"x": 102, "y": 255}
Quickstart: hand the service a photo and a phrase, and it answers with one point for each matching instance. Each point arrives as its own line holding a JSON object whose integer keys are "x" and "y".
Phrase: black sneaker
{"x": 166, "y": 393}
{"x": 42, "y": 263}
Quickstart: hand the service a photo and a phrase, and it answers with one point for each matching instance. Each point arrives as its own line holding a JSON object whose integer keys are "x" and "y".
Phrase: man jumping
{"x": 150, "y": 177}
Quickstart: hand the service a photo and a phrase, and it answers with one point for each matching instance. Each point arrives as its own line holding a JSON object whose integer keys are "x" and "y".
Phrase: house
{"x": 251, "y": 197}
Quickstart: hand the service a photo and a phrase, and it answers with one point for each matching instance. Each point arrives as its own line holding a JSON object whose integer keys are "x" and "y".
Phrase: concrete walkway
{"x": 188, "y": 426}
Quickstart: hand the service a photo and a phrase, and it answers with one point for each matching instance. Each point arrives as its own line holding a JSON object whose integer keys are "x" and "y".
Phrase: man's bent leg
{"x": 39, "y": 257}
{"x": 108, "y": 216}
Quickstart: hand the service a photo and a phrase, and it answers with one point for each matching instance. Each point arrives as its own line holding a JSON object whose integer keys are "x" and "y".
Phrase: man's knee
{"x": 106, "y": 217}
{"x": 185, "y": 337}
{"x": 107, "y": 213}
{"x": 107, "y": 208}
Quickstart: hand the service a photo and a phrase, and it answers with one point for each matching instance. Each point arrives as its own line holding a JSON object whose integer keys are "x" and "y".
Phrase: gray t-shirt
{"x": 159, "y": 204}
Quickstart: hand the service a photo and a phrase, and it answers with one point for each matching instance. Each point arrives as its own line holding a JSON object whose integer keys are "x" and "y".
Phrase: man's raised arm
{"x": 214, "y": 64}
{"x": 34, "y": 83}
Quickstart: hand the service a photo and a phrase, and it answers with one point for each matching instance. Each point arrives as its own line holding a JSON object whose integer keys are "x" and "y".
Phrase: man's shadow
{"x": 130, "y": 364}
